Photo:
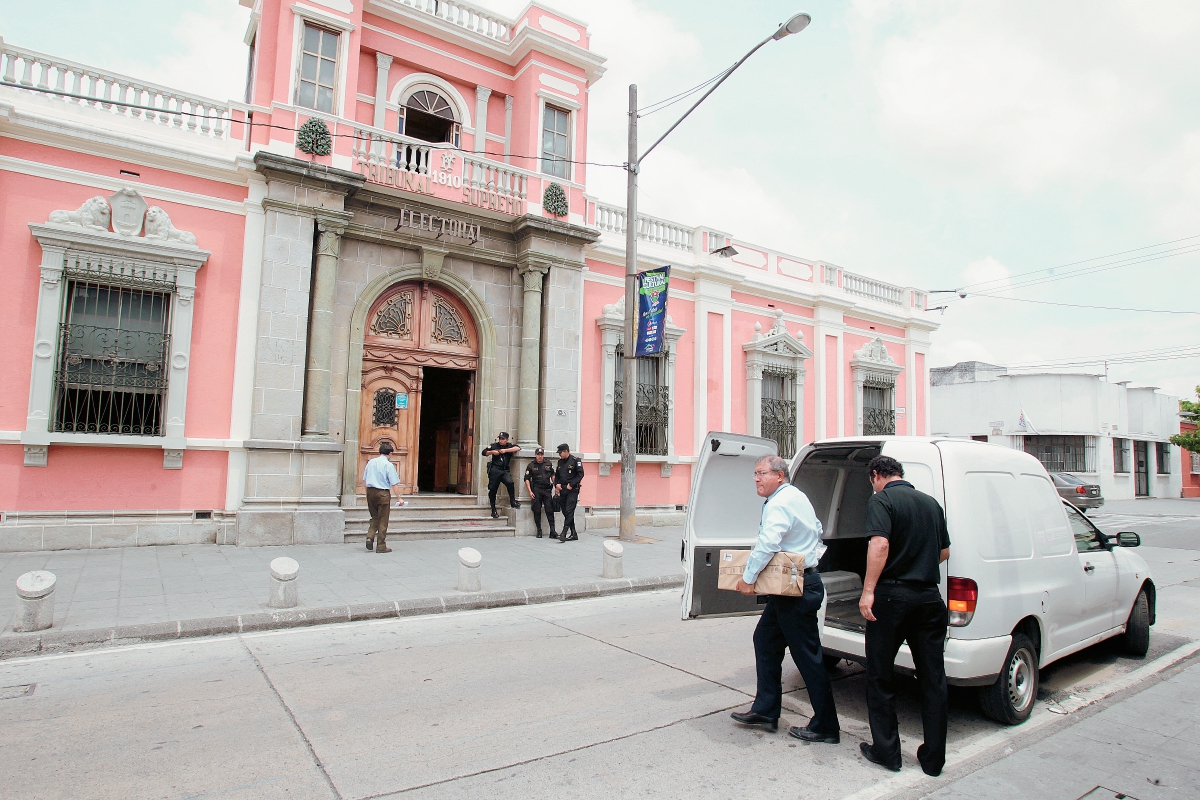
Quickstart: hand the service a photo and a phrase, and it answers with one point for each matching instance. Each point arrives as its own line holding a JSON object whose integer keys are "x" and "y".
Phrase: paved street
{"x": 591, "y": 698}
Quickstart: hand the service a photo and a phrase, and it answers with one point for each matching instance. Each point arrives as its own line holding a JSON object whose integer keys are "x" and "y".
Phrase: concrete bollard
{"x": 35, "y": 601}
{"x": 613, "y": 551}
{"x": 469, "y": 561}
{"x": 284, "y": 589}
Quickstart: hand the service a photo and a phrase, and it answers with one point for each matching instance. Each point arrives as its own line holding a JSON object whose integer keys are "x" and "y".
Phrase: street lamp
{"x": 629, "y": 369}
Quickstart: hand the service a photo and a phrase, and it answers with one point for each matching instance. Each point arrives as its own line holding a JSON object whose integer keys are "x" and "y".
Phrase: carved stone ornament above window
{"x": 394, "y": 318}
{"x": 448, "y": 327}
{"x": 125, "y": 214}
{"x": 777, "y": 348}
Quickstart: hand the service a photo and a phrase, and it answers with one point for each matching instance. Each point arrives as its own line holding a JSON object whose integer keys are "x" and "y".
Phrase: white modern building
{"x": 1106, "y": 433}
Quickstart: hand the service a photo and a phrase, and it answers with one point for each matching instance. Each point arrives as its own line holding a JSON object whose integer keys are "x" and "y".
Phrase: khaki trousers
{"x": 379, "y": 503}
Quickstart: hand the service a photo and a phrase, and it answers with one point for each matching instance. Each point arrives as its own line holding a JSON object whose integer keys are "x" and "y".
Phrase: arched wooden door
{"x": 418, "y": 332}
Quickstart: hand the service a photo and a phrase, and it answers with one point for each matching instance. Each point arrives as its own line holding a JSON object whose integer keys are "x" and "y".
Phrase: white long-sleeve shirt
{"x": 788, "y": 524}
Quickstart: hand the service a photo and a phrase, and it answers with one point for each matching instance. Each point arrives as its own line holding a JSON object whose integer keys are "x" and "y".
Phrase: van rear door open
{"x": 723, "y": 514}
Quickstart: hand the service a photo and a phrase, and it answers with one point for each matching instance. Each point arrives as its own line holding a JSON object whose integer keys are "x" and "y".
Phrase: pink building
{"x": 211, "y": 327}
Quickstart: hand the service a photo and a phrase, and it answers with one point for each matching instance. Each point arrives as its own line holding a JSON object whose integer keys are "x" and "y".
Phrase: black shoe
{"x": 553, "y": 535}
{"x": 868, "y": 753}
{"x": 750, "y": 718}
{"x": 928, "y": 769}
{"x": 539, "y": 534}
{"x": 807, "y": 734}
{"x": 370, "y": 544}
{"x": 495, "y": 514}
{"x": 515, "y": 505}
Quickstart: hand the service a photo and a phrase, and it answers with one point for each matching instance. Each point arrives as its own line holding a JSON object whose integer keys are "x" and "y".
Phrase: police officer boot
{"x": 495, "y": 513}
{"x": 553, "y": 535}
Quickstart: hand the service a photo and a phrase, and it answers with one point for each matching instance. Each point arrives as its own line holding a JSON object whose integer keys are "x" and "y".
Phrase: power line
{"x": 1083, "y": 261}
{"x": 1137, "y": 356}
{"x": 173, "y": 113}
{"x": 1076, "y": 305}
{"x": 652, "y": 108}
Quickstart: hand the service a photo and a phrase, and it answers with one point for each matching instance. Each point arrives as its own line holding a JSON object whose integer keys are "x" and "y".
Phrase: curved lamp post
{"x": 629, "y": 369}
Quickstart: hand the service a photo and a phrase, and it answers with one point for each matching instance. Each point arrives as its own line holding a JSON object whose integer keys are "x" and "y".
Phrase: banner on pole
{"x": 652, "y": 311}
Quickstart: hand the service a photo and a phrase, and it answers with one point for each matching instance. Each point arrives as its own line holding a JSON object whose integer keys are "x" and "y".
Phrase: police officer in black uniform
{"x": 501, "y": 452}
{"x": 539, "y": 480}
{"x": 567, "y": 477}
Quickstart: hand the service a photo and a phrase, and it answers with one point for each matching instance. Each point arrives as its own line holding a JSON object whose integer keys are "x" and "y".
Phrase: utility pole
{"x": 628, "y": 529}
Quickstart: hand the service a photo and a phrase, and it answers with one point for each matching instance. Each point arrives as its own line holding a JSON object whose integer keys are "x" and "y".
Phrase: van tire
{"x": 1136, "y": 639}
{"x": 1010, "y": 699}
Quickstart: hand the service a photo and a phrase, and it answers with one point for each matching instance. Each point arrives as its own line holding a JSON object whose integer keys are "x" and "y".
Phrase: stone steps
{"x": 433, "y": 516}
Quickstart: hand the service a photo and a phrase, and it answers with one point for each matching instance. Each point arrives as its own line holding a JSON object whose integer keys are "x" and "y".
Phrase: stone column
{"x": 320, "y": 334}
{"x": 799, "y": 407}
{"x": 531, "y": 345}
{"x": 754, "y": 374}
{"x": 383, "y": 63}
{"x": 482, "y": 93}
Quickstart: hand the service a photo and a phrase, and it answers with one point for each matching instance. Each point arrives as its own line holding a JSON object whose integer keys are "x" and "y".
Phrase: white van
{"x": 1029, "y": 579}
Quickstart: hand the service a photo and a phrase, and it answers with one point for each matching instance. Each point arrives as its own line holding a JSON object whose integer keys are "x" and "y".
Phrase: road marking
{"x": 1041, "y": 718}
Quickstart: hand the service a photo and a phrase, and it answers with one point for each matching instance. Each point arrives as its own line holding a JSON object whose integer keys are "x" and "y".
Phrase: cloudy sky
{"x": 929, "y": 143}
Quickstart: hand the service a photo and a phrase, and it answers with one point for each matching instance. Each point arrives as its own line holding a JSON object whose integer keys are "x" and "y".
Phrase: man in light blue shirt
{"x": 790, "y": 525}
{"x": 381, "y": 479}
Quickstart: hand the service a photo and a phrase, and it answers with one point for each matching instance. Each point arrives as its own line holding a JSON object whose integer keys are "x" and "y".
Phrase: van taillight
{"x": 961, "y": 594}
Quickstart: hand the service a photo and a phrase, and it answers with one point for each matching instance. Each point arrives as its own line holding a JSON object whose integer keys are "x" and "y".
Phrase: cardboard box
{"x": 783, "y": 574}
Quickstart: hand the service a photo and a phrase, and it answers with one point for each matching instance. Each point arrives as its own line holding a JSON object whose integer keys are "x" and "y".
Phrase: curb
{"x": 13, "y": 645}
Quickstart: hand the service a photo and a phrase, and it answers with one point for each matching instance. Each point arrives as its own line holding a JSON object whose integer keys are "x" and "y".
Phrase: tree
{"x": 1189, "y": 411}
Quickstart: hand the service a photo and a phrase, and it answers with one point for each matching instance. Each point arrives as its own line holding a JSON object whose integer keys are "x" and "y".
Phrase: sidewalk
{"x": 1153, "y": 506}
{"x": 140, "y": 593}
{"x": 1144, "y": 747}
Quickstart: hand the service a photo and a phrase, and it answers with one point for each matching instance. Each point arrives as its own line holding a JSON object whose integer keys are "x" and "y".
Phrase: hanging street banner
{"x": 652, "y": 311}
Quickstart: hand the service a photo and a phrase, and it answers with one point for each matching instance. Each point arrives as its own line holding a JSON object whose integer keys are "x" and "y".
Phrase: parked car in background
{"x": 1029, "y": 580}
{"x": 1077, "y": 492}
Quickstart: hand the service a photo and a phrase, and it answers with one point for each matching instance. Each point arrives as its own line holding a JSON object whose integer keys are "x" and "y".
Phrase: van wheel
{"x": 1010, "y": 699}
{"x": 1136, "y": 639}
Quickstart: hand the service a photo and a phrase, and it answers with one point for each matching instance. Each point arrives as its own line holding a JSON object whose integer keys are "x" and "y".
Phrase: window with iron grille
{"x": 1162, "y": 460}
{"x": 1059, "y": 453}
{"x": 779, "y": 409}
{"x": 112, "y": 357}
{"x": 317, "y": 77}
{"x": 1120, "y": 455}
{"x": 652, "y": 405}
{"x": 879, "y": 415}
{"x": 556, "y": 126}
{"x": 1196, "y": 463}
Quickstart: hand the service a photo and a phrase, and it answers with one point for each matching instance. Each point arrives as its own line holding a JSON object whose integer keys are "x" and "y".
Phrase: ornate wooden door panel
{"x": 412, "y": 326}
{"x": 381, "y": 419}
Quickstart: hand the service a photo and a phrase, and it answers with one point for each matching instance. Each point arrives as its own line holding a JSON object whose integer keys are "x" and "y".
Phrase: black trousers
{"x": 791, "y": 623}
{"x": 917, "y": 615}
{"x": 495, "y": 478}
{"x": 541, "y": 500}
{"x": 566, "y": 504}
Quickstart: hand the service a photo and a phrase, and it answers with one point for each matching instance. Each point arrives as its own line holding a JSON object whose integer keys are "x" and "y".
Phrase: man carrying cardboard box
{"x": 789, "y": 525}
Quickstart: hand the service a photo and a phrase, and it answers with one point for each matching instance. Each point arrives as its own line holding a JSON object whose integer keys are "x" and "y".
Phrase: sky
{"x": 938, "y": 144}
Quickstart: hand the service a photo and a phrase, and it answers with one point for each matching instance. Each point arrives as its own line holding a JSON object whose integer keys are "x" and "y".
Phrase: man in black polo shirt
{"x": 901, "y": 602}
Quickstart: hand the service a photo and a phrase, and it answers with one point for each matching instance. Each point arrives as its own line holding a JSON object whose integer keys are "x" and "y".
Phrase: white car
{"x": 1029, "y": 579}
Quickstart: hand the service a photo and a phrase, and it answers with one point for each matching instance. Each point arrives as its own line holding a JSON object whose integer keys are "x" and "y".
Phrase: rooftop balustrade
{"x": 465, "y": 16}
{"x": 83, "y": 86}
{"x": 653, "y": 230}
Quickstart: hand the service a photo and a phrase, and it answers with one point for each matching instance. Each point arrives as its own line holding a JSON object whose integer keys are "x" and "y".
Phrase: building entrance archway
{"x": 420, "y": 360}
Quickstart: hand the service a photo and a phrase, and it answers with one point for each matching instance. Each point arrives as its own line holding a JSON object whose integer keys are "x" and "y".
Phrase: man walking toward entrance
{"x": 381, "y": 479}
{"x": 790, "y": 525}
{"x": 567, "y": 477}
{"x": 501, "y": 452}
{"x": 901, "y": 602}
{"x": 539, "y": 480}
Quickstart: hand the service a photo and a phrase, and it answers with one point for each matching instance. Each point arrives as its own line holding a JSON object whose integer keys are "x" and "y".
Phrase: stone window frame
{"x": 872, "y": 361}
{"x": 176, "y": 261}
{"x": 611, "y": 323}
{"x": 777, "y": 348}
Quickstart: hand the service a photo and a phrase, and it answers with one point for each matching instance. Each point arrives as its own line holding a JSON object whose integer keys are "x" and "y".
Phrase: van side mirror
{"x": 1128, "y": 539}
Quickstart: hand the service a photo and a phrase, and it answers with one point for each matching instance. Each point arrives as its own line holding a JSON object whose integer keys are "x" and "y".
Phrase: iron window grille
{"x": 556, "y": 125}
{"x": 879, "y": 416}
{"x": 318, "y": 69}
{"x": 1196, "y": 463}
{"x": 112, "y": 357}
{"x": 778, "y": 407}
{"x": 1059, "y": 453}
{"x": 652, "y": 400}
{"x": 385, "y": 408}
{"x": 1162, "y": 458}
{"x": 1120, "y": 455}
